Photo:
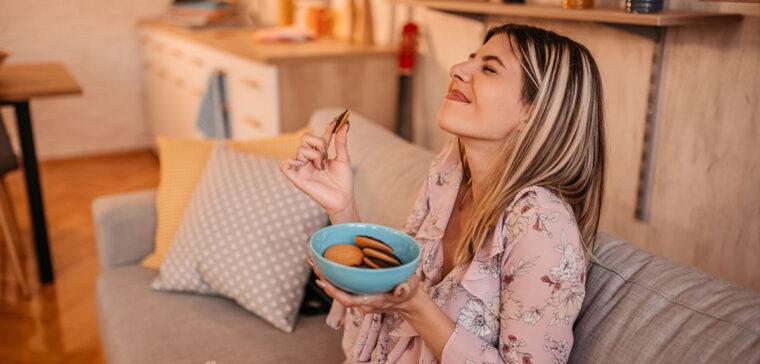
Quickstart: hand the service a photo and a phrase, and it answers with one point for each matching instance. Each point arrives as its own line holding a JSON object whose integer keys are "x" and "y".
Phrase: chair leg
{"x": 6, "y": 204}
{"x": 11, "y": 236}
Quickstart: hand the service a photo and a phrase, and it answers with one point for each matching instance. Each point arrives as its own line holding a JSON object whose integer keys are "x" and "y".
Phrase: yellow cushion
{"x": 182, "y": 162}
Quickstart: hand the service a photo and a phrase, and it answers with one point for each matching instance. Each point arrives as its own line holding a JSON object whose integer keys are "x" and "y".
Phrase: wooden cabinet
{"x": 271, "y": 88}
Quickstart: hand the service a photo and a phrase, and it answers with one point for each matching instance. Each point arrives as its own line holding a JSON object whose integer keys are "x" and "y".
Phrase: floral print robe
{"x": 515, "y": 302}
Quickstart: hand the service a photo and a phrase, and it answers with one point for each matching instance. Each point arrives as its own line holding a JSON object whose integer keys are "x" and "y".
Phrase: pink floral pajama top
{"x": 514, "y": 303}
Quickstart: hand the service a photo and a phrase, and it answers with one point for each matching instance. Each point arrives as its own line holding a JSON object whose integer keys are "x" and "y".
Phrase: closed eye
{"x": 487, "y": 69}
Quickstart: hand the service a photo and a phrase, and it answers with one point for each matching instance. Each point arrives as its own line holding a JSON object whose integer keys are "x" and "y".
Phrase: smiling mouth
{"x": 456, "y": 95}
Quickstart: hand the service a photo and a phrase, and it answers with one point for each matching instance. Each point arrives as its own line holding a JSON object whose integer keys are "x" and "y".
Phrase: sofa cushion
{"x": 141, "y": 325}
{"x": 245, "y": 235}
{"x": 642, "y": 308}
{"x": 182, "y": 162}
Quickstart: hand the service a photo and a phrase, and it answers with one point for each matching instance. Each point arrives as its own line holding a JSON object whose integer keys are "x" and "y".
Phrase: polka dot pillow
{"x": 244, "y": 235}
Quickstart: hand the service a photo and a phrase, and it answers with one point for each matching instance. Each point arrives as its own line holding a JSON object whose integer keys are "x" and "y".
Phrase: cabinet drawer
{"x": 251, "y": 109}
{"x": 252, "y": 99}
{"x": 176, "y": 73}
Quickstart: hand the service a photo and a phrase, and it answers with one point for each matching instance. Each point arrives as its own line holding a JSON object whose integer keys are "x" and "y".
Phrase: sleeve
{"x": 337, "y": 315}
{"x": 420, "y": 209}
{"x": 542, "y": 288}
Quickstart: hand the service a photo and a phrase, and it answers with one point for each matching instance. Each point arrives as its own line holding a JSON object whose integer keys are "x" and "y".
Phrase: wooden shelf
{"x": 239, "y": 41}
{"x": 600, "y": 15}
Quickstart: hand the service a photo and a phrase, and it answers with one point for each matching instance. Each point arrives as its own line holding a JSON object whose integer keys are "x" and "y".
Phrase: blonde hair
{"x": 562, "y": 146}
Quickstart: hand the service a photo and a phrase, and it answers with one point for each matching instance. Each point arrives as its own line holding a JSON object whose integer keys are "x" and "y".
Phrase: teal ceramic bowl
{"x": 364, "y": 280}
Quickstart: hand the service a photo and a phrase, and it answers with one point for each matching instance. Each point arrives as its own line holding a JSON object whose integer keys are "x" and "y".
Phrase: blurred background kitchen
{"x": 87, "y": 86}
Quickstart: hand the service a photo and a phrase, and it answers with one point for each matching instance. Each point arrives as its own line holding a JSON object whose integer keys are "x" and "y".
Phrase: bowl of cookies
{"x": 364, "y": 258}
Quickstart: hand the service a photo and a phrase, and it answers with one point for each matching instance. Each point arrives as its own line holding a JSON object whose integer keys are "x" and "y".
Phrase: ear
{"x": 524, "y": 118}
{"x": 521, "y": 125}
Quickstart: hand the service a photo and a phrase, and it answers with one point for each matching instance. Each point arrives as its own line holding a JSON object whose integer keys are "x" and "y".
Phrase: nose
{"x": 460, "y": 72}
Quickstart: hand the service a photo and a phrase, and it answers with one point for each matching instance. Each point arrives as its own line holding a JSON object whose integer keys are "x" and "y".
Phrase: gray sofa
{"x": 639, "y": 308}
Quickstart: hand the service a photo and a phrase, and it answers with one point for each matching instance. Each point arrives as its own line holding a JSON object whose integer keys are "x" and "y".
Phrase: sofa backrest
{"x": 643, "y": 308}
{"x": 639, "y": 308}
{"x": 389, "y": 171}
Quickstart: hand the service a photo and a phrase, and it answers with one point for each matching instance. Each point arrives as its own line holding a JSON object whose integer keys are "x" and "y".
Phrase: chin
{"x": 451, "y": 120}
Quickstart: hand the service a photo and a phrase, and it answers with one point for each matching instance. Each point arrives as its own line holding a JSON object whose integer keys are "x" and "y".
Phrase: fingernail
{"x": 320, "y": 283}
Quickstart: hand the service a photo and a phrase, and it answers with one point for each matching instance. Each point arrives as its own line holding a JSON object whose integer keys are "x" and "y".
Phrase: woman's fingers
{"x": 314, "y": 268}
{"x": 328, "y": 130}
{"x": 315, "y": 142}
{"x": 289, "y": 167}
{"x": 366, "y": 309}
{"x": 307, "y": 154}
{"x": 338, "y": 295}
{"x": 401, "y": 290}
{"x": 375, "y": 301}
{"x": 341, "y": 143}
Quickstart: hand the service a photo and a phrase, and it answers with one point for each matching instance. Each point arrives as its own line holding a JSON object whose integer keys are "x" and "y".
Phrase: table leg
{"x": 34, "y": 191}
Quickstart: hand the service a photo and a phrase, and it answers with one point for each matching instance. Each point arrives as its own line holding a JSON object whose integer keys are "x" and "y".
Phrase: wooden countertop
{"x": 239, "y": 41}
{"x": 596, "y": 14}
{"x": 23, "y": 81}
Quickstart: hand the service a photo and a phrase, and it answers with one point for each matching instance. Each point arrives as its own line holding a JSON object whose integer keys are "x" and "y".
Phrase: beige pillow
{"x": 182, "y": 161}
{"x": 244, "y": 236}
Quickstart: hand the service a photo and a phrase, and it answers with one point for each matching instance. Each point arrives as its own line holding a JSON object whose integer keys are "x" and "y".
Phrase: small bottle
{"x": 577, "y": 4}
{"x": 285, "y": 12}
{"x": 362, "y": 32}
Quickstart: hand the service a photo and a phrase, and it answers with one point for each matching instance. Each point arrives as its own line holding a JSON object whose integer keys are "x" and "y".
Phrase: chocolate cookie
{"x": 375, "y": 263}
{"x": 388, "y": 258}
{"x": 365, "y": 241}
{"x": 346, "y": 254}
{"x": 340, "y": 120}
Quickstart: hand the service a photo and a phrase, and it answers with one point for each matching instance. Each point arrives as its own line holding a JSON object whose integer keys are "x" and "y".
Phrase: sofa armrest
{"x": 125, "y": 227}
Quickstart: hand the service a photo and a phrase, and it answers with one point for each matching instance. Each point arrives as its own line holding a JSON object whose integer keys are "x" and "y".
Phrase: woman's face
{"x": 484, "y": 94}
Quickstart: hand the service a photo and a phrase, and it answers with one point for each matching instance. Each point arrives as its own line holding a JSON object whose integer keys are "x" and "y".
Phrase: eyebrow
{"x": 490, "y": 58}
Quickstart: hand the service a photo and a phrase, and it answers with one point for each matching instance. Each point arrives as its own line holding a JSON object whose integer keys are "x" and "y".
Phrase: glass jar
{"x": 577, "y": 4}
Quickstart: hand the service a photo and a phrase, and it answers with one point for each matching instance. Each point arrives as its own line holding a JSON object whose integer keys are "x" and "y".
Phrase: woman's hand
{"x": 329, "y": 182}
{"x": 401, "y": 299}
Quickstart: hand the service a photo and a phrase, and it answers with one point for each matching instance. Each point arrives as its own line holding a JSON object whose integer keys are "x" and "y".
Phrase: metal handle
{"x": 253, "y": 122}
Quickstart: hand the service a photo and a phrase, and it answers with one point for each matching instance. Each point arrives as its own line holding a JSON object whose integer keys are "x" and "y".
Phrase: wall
{"x": 97, "y": 42}
{"x": 705, "y": 203}
{"x": 706, "y": 198}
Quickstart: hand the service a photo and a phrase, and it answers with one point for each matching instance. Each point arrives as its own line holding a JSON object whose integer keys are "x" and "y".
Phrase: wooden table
{"x": 18, "y": 84}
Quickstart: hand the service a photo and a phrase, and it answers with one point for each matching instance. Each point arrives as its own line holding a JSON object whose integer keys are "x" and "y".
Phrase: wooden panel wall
{"x": 97, "y": 41}
{"x": 705, "y": 205}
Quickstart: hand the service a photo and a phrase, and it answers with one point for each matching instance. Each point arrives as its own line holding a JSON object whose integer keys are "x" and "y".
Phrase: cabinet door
{"x": 155, "y": 75}
{"x": 176, "y": 76}
{"x": 174, "y": 83}
{"x": 252, "y": 98}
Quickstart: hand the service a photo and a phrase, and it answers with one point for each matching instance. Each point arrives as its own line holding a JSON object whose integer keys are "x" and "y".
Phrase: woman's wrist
{"x": 417, "y": 304}
{"x": 429, "y": 320}
{"x": 348, "y": 214}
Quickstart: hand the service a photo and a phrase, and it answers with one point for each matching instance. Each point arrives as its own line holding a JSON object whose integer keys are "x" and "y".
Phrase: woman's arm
{"x": 336, "y": 317}
{"x": 429, "y": 321}
{"x": 542, "y": 289}
{"x": 349, "y": 214}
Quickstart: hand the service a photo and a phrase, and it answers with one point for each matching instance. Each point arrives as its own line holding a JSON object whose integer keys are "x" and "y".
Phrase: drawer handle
{"x": 253, "y": 122}
{"x": 252, "y": 83}
{"x": 176, "y": 52}
{"x": 197, "y": 61}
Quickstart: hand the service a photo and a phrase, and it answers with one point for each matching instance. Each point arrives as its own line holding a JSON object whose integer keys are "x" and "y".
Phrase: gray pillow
{"x": 244, "y": 235}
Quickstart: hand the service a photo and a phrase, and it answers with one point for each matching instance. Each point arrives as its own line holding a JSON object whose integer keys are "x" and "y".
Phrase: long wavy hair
{"x": 562, "y": 146}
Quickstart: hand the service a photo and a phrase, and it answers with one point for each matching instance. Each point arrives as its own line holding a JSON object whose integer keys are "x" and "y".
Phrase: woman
{"x": 506, "y": 219}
